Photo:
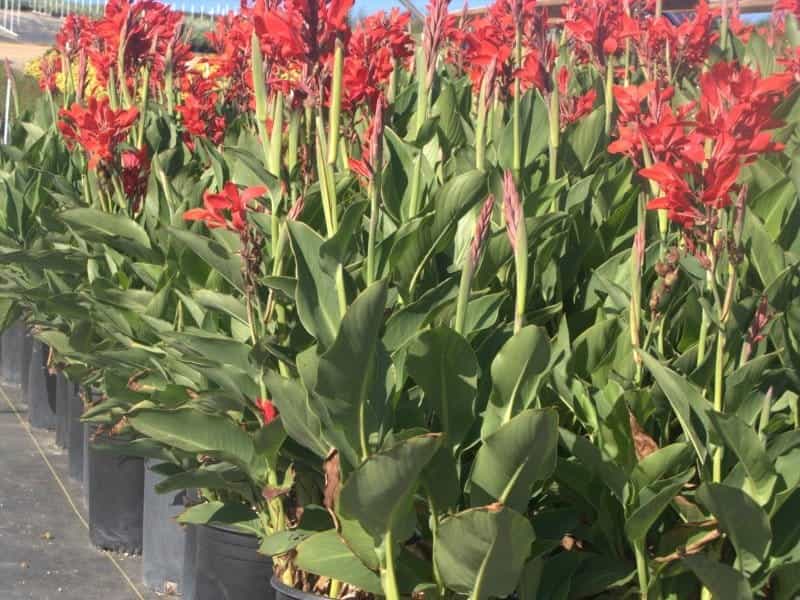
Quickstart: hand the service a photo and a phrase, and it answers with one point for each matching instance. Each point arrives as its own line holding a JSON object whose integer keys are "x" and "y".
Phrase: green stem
{"x": 521, "y": 260}
{"x": 463, "y": 295}
{"x": 641, "y": 567}
{"x": 555, "y": 134}
{"x": 416, "y": 187}
{"x": 143, "y": 108}
{"x": 374, "y": 203}
{"x": 336, "y": 103}
{"x": 609, "y": 96}
{"x": 390, "y": 586}
{"x": 421, "y": 113}
{"x": 276, "y": 137}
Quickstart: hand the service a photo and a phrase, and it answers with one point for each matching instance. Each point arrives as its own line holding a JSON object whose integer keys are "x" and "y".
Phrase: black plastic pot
{"x": 284, "y": 592}
{"x": 115, "y": 499}
{"x": 224, "y": 564}
{"x": 62, "y": 409}
{"x": 75, "y": 432}
{"x": 41, "y": 390}
{"x": 14, "y": 355}
{"x": 164, "y": 541}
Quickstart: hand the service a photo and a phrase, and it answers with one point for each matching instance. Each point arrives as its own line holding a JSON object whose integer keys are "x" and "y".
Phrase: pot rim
{"x": 281, "y": 587}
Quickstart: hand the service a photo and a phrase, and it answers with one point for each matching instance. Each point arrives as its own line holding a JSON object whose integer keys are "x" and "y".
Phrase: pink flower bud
{"x": 512, "y": 208}
{"x": 483, "y": 227}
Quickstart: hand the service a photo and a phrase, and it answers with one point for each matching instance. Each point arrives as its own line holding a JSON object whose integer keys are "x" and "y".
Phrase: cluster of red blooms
{"x": 734, "y": 116}
{"x": 97, "y": 128}
{"x": 198, "y": 112}
{"x": 378, "y": 45}
{"x": 231, "y": 39}
{"x": 226, "y": 209}
{"x": 268, "y": 410}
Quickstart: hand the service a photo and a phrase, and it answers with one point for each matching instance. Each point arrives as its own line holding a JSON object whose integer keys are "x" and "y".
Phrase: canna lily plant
{"x": 491, "y": 305}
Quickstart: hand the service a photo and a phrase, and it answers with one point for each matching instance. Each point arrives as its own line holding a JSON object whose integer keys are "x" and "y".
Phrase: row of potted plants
{"x": 501, "y": 303}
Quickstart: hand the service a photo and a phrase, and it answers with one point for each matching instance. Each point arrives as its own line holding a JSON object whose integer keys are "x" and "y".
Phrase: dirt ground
{"x": 20, "y": 54}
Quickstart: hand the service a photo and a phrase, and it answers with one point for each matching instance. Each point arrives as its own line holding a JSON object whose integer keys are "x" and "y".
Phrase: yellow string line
{"x": 60, "y": 483}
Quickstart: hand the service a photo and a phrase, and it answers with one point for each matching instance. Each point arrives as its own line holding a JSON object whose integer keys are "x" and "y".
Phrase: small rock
{"x": 24, "y": 564}
{"x": 47, "y": 536}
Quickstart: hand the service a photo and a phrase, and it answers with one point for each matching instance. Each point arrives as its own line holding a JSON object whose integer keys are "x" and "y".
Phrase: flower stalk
{"x": 518, "y": 238}
{"x": 483, "y": 227}
{"x": 334, "y": 115}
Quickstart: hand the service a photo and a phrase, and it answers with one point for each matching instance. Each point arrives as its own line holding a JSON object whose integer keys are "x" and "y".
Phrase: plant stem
{"x": 555, "y": 134}
{"x": 609, "y": 96}
{"x": 422, "y": 90}
{"x": 521, "y": 261}
{"x": 374, "y": 205}
{"x": 143, "y": 107}
{"x": 641, "y": 567}
{"x": 334, "y": 114}
{"x": 463, "y": 295}
{"x": 389, "y": 576}
{"x": 416, "y": 187}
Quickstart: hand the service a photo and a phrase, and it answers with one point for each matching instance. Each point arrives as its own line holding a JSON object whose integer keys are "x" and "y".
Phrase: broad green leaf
{"x": 749, "y": 449}
{"x": 327, "y": 555}
{"x": 724, "y": 582}
{"x": 664, "y": 460}
{"x": 113, "y": 229}
{"x": 687, "y": 402}
{"x": 595, "y": 461}
{"x": 349, "y": 373}
{"x": 317, "y": 301}
{"x": 744, "y": 521}
{"x": 214, "y": 254}
{"x": 521, "y": 453}
{"x": 444, "y": 365}
{"x": 224, "y": 513}
{"x": 196, "y": 432}
{"x": 482, "y": 551}
{"x": 517, "y": 373}
{"x": 225, "y": 303}
{"x": 651, "y": 506}
{"x": 380, "y": 488}
{"x": 584, "y": 137}
{"x": 300, "y": 421}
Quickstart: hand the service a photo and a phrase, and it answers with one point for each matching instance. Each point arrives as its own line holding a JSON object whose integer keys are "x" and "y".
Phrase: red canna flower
{"x": 199, "y": 110}
{"x": 572, "y": 108}
{"x": 97, "y": 128}
{"x": 226, "y": 209}
{"x": 598, "y": 28}
{"x": 70, "y": 39}
{"x": 376, "y": 45}
{"x": 372, "y": 153}
{"x": 269, "y": 411}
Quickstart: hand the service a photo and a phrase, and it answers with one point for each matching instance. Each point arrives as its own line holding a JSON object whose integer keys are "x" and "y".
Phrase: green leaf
{"x": 196, "y": 432}
{"x": 118, "y": 231}
{"x": 327, "y": 555}
{"x": 317, "y": 301}
{"x": 300, "y": 421}
{"x": 744, "y": 521}
{"x": 749, "y": 449}
{"x": 517, "y": 373}
{"x": 213, "y": 253}
{"x": 224, "y": 303}
{"x": 652, "y": 505}
{"x": 349, "y": 373}
{"x": 654, "y": 466}
{"x": 724, "y": 582}
{"x": 224, "y": 513}
{"x": 444, "y": 365}
{"x": 584, "y": 137}
{"x": 686, "y": 400}
{"x": 482, "y": 551}
{"x": 380, "y": 488}
{"x": 519, "y": 454}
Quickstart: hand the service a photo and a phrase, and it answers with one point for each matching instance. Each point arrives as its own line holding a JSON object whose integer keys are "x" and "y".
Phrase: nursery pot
{"x": 115, "y": 499}
{"x": 62, "y": 409}
{"x": 223, "y": 563}
{"x": 14, "y": 355}
{"x": 164, "y": 540}
{"x": 284, "y": 592}
{"x": 41, "y": 390}
{"x": 75, "y": 432}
